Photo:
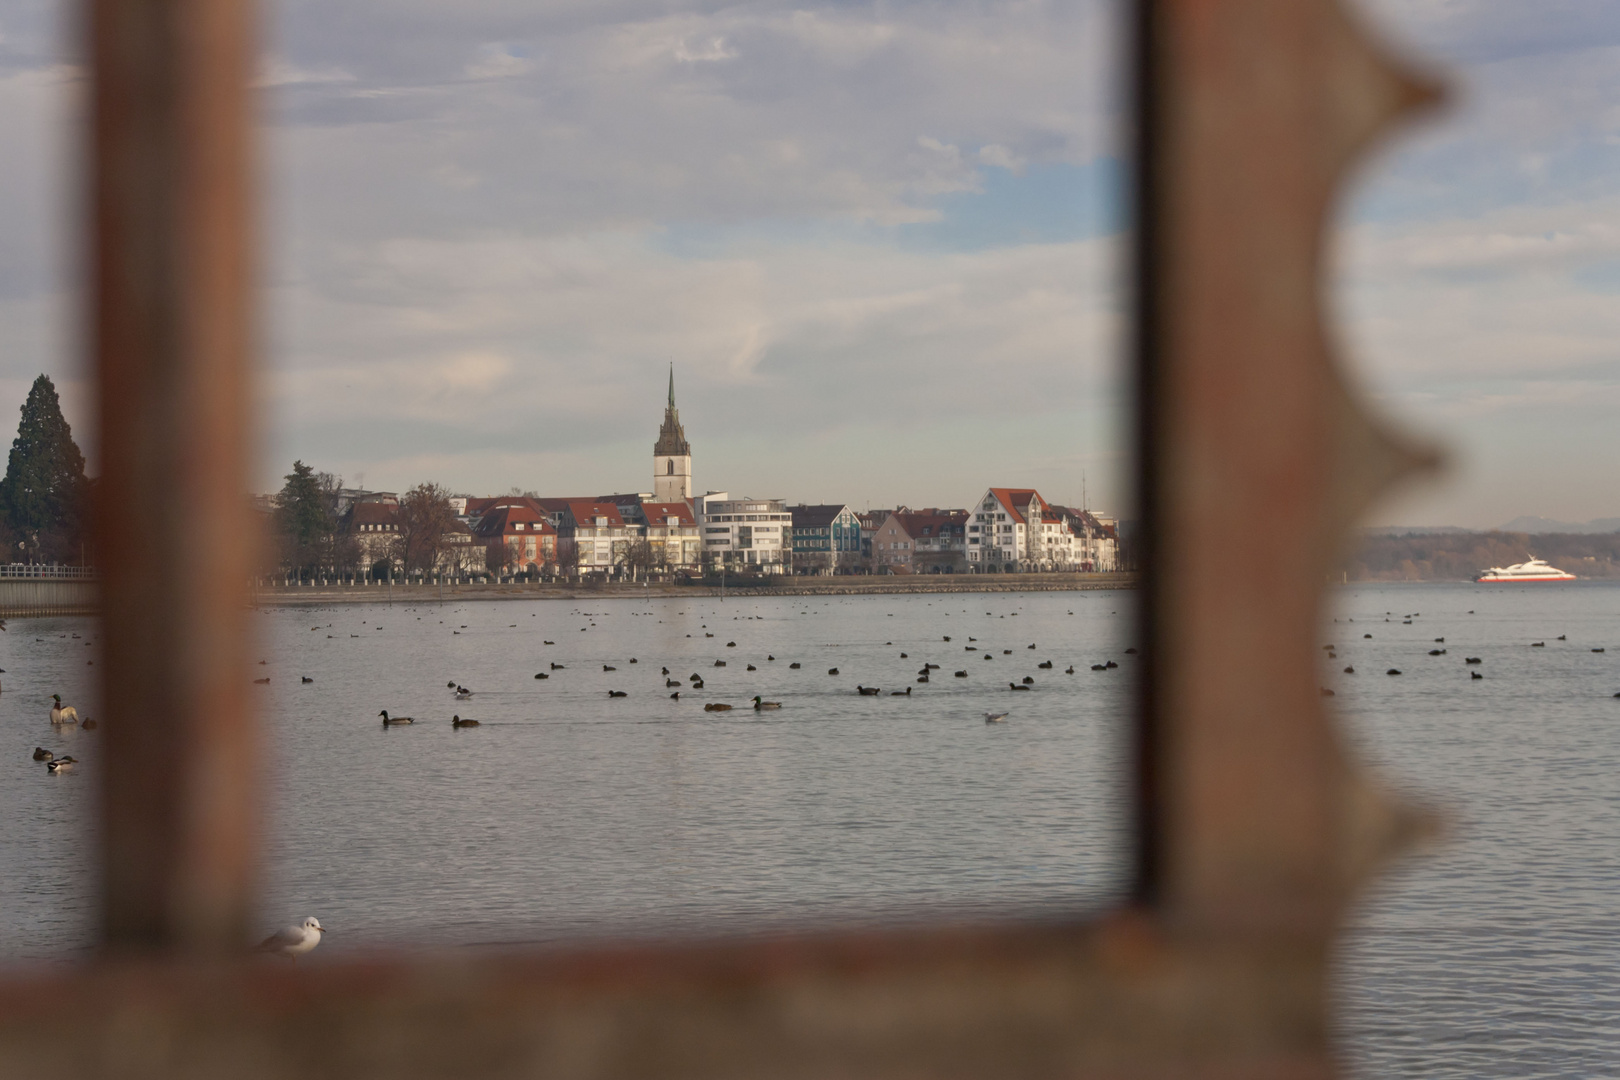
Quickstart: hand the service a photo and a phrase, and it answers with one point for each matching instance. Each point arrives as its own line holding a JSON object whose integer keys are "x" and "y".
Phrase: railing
{"x": 49, "y": 571}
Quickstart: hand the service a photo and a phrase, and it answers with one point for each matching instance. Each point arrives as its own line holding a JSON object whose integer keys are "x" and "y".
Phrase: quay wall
{"x": 20, "y": 597}
{"x": 304, "y": 595}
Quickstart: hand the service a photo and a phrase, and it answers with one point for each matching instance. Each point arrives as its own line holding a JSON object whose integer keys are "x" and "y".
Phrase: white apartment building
{"x": 749, "y": 532}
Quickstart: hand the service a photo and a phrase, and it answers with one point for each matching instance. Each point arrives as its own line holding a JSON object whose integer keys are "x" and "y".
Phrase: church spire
{"x": 672, "y": 384}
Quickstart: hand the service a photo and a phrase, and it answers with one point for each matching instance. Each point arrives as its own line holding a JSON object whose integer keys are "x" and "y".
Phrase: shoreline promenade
{"x": 844, "y": 585}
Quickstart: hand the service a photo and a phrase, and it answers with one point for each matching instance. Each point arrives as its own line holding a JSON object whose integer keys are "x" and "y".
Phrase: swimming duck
{"x": 60, "y": 765}
{"x": 451, "y": 684}
{"x": 676, "y": 696}
{"x": 42, "y": 754}
{"x": 66, "y": 714}
{"x": 1015, "y": 686}
{"x": 762, "y": 705}
{"x": 307, "y": 679}
{"x": 609, "y": 667}
{"x": 458, "y": 722}
{"x": 995, "y": 717}
{"x": 89, "y": 724}
{"x": 541, "y": 675}
{"x": 1028, "y": 679}
{"x": 793, "y": 666}
{"x": 617, "y": 693}
{"x": 961, "y": 674}
{"x": 388, "y": 721}
{"x": 901, "y": 693}
{"x": 1069, "y": 670}
{"x": 463, "y": 692}
{"x": 715, "y": 706}
{"x": 1044, "y": 664}
{"x": 556, "y": 667}
{"x": 832, "y": 671}
{"x": 868, "y": 691}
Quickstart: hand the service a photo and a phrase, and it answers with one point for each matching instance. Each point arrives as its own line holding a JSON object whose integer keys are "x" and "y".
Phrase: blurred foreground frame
{"x": 1254, "y": 827}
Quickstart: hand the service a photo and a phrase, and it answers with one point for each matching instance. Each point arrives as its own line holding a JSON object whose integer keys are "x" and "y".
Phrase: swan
{"x": 65, "y": 714}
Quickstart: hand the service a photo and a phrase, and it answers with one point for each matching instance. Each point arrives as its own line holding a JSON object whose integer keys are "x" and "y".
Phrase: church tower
{"x": 672, "y": 455}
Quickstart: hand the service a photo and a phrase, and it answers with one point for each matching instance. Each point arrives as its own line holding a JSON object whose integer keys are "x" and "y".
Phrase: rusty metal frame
{"x": 1254, "y": 826}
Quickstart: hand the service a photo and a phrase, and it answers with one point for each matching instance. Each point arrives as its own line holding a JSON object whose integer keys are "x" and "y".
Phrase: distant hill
{"x": 1536, "y": 526}
{"x": 1460, "y": 556}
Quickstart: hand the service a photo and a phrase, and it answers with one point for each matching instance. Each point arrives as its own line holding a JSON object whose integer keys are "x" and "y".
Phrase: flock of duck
{"x": 695, "y": 681}
{"x": 62, "y": 716}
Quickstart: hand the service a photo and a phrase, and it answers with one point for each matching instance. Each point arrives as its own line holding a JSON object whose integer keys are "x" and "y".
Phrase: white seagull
{"x": 294, "y": 941}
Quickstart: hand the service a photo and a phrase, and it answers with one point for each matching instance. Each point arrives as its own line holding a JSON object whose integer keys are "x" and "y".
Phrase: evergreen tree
{"x": 43, "y": 495}
{"x": 304, "y": 518}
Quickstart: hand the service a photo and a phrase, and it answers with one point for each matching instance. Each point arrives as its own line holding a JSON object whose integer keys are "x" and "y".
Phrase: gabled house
{"x": 930, "y": 541}
{"x": 1008, "y": 530}
{"x": 525, "y": 540}
{"x": 672, "y": 532}
{"x": 823, "y": 535}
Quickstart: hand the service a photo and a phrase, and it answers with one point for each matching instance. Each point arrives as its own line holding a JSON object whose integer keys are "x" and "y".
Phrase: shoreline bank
{"x": 319, "y": 595}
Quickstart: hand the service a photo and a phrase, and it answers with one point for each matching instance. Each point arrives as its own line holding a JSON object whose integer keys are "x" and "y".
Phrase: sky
{"x": 880, "y": 243}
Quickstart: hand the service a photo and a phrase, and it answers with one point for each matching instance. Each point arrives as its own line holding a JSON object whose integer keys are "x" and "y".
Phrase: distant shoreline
{"x": 321, "y": 595}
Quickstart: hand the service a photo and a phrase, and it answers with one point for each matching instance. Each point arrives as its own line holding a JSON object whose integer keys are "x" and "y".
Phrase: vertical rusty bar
{"x": 1145, "y": 357}
{"x": 172, "y": 318}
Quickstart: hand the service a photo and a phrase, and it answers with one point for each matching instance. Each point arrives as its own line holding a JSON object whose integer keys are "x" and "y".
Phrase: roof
{"x": 501, "y": 521}
{"x": 816, "y": 516}
{"x": 657, "y": 512}
{"x": 930, "y": 522}
{"x": 586, "y": 511}
{"x": 479, "y": 506}
{"x": 373, "y": 513}
{"x": 672, "y": 437}
{"x": 1017, "y": 501}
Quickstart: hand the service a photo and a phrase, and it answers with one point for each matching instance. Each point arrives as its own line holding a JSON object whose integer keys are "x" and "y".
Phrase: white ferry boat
{"x": 1534, "y": 570}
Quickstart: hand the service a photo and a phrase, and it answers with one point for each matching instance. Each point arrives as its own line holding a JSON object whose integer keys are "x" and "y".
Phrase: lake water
{"x": 568, "y": 813}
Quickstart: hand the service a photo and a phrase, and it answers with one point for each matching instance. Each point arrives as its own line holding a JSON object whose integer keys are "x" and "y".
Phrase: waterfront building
{"x": 1094, "y": 540}
{"x": 527, "y": 542}
{"x": 597, "y": 533}
{"x": 672, "y": 455}
{"x": 672, "y": 534}
{"x": 372, "y": 521}
{"x": 930, "y": 541}
{"x": 824, "y": 537}
{"x": 1007, "y": 531}
{"x": 745, "y": 532}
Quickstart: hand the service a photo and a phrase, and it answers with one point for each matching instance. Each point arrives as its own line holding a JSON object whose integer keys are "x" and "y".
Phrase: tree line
{"x": 1462, "y": 556}
{"x": 311, "y": 533}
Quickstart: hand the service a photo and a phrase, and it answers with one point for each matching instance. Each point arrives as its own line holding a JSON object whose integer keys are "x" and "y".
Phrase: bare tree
{"x": 425, "y": 519}
{"x": 640, "y": 558}
{"x": 567, "y": 556}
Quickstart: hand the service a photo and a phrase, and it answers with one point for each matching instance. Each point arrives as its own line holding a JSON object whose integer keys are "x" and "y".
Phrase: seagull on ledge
{"x": 294, "y": 941}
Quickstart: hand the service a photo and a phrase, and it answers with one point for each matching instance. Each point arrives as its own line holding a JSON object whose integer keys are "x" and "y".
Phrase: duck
{"x": 671, "y": 682}
{"x": 306, "y": 679}
{"x": 541, "y": 675}
{"x": 676, "y": 696}
{"x": 1069, "y": 670}
{"x": 719, "y": 663}
{"x": 995, "y": 717}
{"x": 1350, "y": 669}
{"x": 261, "y": 682}
{"x": 751, "y": 667}
{"x": 922, "y": 678}
{"x": 1029, "y": 680}
{"x": 609, "y": 667}
{"x": 1393, "y": 671}
{"x": 904, "y": 656}
{"x": 89, "y": 724}
{"x": 1098, "y": 667}
{"x": 1477, "y": 660}
{"x": 794, "y": 666}
{"x": 768, "y": 656}
{"x": 1475, "y": 675}
{"x": 458, "y": 722}
{"x": 42, "y": 754}
{"x": 556, "y": 667}
{"x": 617, "y": 693}
{"x": 463, "y": 692}
{"x": 1015, "y": 686}
{"x": 1032, "y": 646}
{"x": 698, "y": 685}
{"x": 389, "y": 721}
{"x": 901, "y": 693}
{"x": 666, "y": 672}
{"x": 961, "y": 674}
{"x": 832, "y": 671}
{"x": 62, "y": 764}
{"x": 715, "y": 706}
{"x": 761, "y": 705}
{"x": 1044, "y": 664}
{"x": 868, "y": 691}
{"x": 549, "y": 643}
{"x": 67, "y": 714}
{"x": 451, "y": 684}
